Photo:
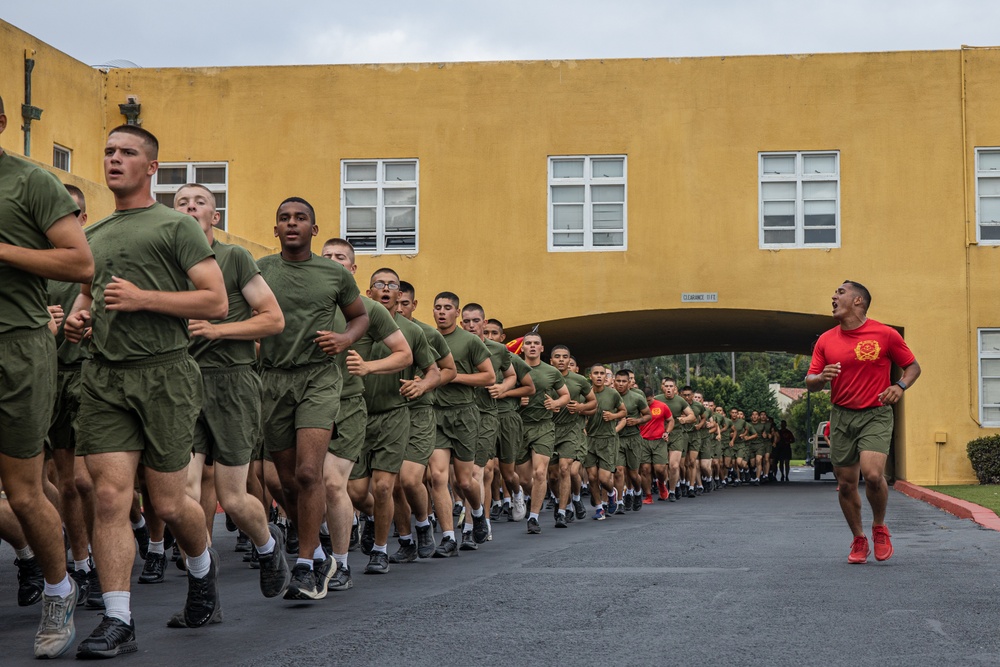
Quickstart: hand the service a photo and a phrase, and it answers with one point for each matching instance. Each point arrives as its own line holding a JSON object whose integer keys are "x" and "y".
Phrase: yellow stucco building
{"x": 633, "y": 207}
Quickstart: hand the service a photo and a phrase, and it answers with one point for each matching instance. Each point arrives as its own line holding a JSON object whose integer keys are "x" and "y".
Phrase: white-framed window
{"x": 799, "y": 199}
{"x": 62, "y": 157}
{"x": 380, "y": 205}
{"x": 170, "y": 176}
{"x": 588, "y": 203}
{"x": 989, "y": 377}
{"x": 988, "y": 195}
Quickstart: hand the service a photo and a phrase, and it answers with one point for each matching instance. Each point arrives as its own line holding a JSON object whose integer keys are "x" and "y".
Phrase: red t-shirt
{"x": 866, "y": 355}
{"x": 654, "y": 428}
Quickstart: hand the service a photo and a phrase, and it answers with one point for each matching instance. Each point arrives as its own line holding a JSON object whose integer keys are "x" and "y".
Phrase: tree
{"x": 756, "y": 395}
{"x": 721, "y": 389}
{"x": 803, "y": 421}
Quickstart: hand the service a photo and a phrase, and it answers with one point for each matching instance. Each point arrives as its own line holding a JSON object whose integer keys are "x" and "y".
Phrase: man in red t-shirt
{"x": 856, "y": 358}
{"x": 655, "y": 456}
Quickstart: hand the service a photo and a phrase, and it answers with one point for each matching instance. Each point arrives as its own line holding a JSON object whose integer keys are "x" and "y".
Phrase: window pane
{"x": 822, "y": 220}
{"x": 990, "y": 341}
{"x": 820, "y": 213}
{"x": 778, "y": 237}
{"x": 991, "y": 368}
{"x": 220, "y": 200}
{"x": 362, "y": 242}
{"x": 572, "y": 194}
{"x": 401, "y": 242}
{"x": 602, "y": 193}
{"x": 165, "y": 198}
{"x": 401, "y": 171}
{"x": 991, "y": 415}
{"x": 567, "y": 169}
{"x": 778, "y": 190}
{"x": 400, "y": 219}
{"x": 563, "y": 239}
{"x": 363, "y": 172}
{"x": 567, "y": 217}
{"x": 779, "y": 214}
{"x": 819, "y": 164}
{"x": 821, "y": 236}
{"x": 607, "y": 168}
{"x": 609, "y": 216}
{"x": 400, "y": 196}
{"x": 171, "y": 176}
{"x": 991, "y": 391}
{"x": 779, "y": 164}
{"x": 989, "y": 233}
{"x": 360, "y": 220}
{"x": 989, "y": 209}
{"x": 989, "y": 186}
{"x": 819, "y": 190}
{"x": 989, "y": 160}
{"x": 357, "y": 197}
{"x": 209, "y": 175}
{"x": 606, "y": 239}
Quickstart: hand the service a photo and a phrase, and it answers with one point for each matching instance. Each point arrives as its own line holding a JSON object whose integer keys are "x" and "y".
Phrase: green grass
{"x": 987, "y": 495}
{"x": 797, "y": 462}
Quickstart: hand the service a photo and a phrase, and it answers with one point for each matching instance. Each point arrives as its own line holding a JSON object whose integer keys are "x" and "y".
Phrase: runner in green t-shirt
{"x": 142, "y": 391}
{"x": 40, "y": 239}
{"x": 767, "y": 445}
{"x": 602, "y": 441}
{"x": 679, "y": 435}
{"x": 630, "y": 442}
{"x": 302, "y": 383}
{"x": 753, "y": 437}
{"x": 458, "y": 423}
{"x": 571, "y": 442}
{"x": 695, "y": 439}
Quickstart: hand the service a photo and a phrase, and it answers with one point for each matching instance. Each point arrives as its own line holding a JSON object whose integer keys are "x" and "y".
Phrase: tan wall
{"x": 692, "y": 130}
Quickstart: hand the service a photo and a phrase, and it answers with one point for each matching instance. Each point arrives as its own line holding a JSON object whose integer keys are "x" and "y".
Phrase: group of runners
{"x": 182, "y": 372}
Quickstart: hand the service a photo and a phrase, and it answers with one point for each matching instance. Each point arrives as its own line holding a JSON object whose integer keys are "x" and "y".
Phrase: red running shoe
{"x": 883, "y": 545}
{"x": 648, "y": 500}
{"x": 859, "y": 550}
{"x": 664, "y": 492}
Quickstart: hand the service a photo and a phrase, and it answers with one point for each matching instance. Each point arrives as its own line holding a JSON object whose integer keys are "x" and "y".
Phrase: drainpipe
{"x": 28, "y": 112}
{"x": 969, "y": 241}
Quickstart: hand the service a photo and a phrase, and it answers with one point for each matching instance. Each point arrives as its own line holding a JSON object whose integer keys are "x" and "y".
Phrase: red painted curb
{"x": 960, "y": 508}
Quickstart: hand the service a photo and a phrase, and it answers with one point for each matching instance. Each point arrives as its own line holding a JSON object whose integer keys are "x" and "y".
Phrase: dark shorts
{"x": 386, "y": 437}
{"x": 678, "y": 441}
{"x": 630, "y": 451}
{"x": 601, "y": 453}
{"x": 305, "y": 397}
{"x": 149, "y": 406}
{"x": 489, "y": 436}
{"x": 27, "y": 391}
{"x": 655, "y": 452}
{"x": 62, "y": 433}
{"x": 458, "y": 430}
{"x": 539, "y": 438}
{"x": 570, "y": 442}
{"x": 511, "y": 436}
{"x": 856, "y": 431}
{"x": 228, "y": 428}
{"x": 423, "y": 430}
{"x": 352, "y": 422}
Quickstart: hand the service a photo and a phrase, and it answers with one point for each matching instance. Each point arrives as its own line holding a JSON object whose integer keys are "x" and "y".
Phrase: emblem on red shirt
{"x": 867, "y": 350}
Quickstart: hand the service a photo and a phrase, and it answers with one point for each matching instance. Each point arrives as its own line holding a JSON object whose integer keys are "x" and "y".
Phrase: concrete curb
{"x": 963, "y": 509}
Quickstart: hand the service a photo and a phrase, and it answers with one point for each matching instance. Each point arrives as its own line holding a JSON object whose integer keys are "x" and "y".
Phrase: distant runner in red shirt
{"x": 856, "y": 358}
{"x": 655, "y": 456}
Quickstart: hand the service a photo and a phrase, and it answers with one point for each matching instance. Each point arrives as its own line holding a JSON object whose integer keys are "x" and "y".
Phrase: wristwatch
{"x": 901, "y": 384}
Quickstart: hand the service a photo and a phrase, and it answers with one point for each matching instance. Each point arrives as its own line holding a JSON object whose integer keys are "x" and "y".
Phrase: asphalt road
{"x": 747, "y": 576}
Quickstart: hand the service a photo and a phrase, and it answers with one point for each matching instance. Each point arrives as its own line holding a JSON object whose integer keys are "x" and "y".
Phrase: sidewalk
{"x": 963, "y": 509}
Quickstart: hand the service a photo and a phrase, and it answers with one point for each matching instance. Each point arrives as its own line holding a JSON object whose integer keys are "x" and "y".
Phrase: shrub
{"x": 984, "y": 453}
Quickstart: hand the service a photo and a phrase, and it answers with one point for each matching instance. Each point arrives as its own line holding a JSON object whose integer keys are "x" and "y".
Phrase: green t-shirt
{"x": 739, "y": 425}
{"x": 382, "y": 391}
{"x": 608, "y": 400}
{"x": 677, "y": 406}
{"x": 238, "y": 269}
{"x": 310, "y": 293}
{"x": 521, "y": 369}
{"x": 635, "y": 403}
{"x": 500, "y": 358}
{"x": 154, "y": 248}
{"x": 698, "y": 409}
{"x": 440, "y": 350}
{"x": 547, "y": 381}
{"x": 31, "y": 201}
{"x": 380, "y": 327}
{"x": 578, "y": 387}
{"x": 469, "y": 351}
{"x": 64, "y": 294}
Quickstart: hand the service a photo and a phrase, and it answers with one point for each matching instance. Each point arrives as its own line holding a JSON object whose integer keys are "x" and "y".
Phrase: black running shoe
{"x": 560, "y": 519}
{"x": 326, "y": 543}
{"x": 291, "y": 539}
{"x": 570, "y": 515}
{"x": 495, "y": 512}
{"x": 691, "y": 493}
{"x": 30, "y": 582}
{"x": 302, "y": 585}
{"x": 672, "y": 497}
{"x": 425, "y": 541}
{"x": 355, "y": 537}
{"x": 323, "y": 571}
{"x": 533, "y": 527}
{"x": 341, "y": 580}
{"x": 446, "y": 549}
{"x": 480, "y": 531}
{"x": 168, "y": 539}
{"x": 627, "y": 503}
{"x": 636, "y": 502}
{"x": 242, "y": 542}
{"x": 95, "y": 599}
{"x": 367, "y": 536}
{"x": 230, "y": 524}
{"x": 142, "y": 540}
{"x": 378, "y": 563}
{"x": 177, "y": 620}
{"x": 274, "y": 572}
{"x": 82, "y": 580}
{"x": 203, "y": 595}
{"x": 153, "y": 569}
{"x": 406, "y": 553}
{"x": 468, "y": 544}
{"x": 111, "y": 637}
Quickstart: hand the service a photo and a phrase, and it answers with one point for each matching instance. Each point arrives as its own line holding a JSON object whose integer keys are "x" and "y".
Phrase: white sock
{"x": 156, "y": 547}
{"x": 423, "y": 524}
{"x": 60, "y": 590}
{"x": 116, "y": 605}
{"x": 319, "y": 554}
{"x": 406, "y": 538}
{"x": 198, "y": 566}
{"x": 448, "y": 535}
{"x": 478, "y": 513}
{"x": 576, "y": 498}
{"x": 24, "y": 554}
{"x": 82, "y": 565}
{"x": 379, "y": 547}
{"x": 304, "y": 561}
{"x": 533, "y": 515}
{"x": 467, "y": 528}
{"x": 341, "y": 560}
{"x": 140, "y": 523}
{"x": 268, "y": 546}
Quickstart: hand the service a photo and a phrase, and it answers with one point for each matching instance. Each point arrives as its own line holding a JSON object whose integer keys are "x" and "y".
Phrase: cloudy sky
{"x": 257, "y": 32}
